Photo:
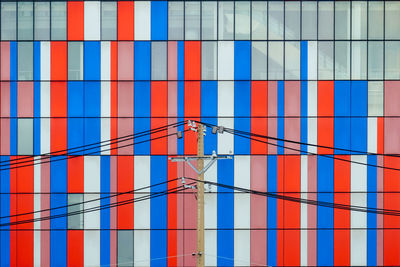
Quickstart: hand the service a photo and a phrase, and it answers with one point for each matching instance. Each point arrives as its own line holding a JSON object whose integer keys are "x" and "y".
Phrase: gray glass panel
{"x": 242, "y": 20}
{"x": 25, "y": 61}
{"x": 392, "y": 60}
{"x": 75, "y": 61}
{"x": 325, "y": 20}
{"x": 359, "y": 20}
{"x": 175, "y": 20}
{"x": 225, "y": 20}
{"x": 209, "y": 60}
{"x": 8, "y": 21}
{"x": 375, "y": 98}
{"x": 342, "y": 60}
{"x": 259, "y": 17}
{"x": 342, "y": 20}
{"x": 359, "y": 60}
{"x": 325, "y": 60}
{"x": 209, "y": 20}
{"x": 58, "y": 20}
{"x": 192, "y": 20}
{"x": 375, "y": 20}
{"x": 75, "y": 221}
{"x": 309, "y": 20}
{"x": 292, "y": 20}
{"x": 392, "y": 19}
{"x": 125, "y": 248}
{"x": 275, "y": 61}
{"x": 25, "y": 136}
{"x": 108, "y": 20}
{"x": 259, "y": 60}
{"x": 375, "y": 60}
{"x": 42, "y": 20}
{"x": 159, "y": 61}
{"x": 292, "y": 60}
{"x": 25, "y": 21}
{"x": 275, "y": 20}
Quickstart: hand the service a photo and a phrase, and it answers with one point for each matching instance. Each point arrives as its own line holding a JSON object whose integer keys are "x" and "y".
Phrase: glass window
{"x": 375, "y": 60}
{"x": 325, "y": 60}
{"x": 359, "y": 20}
{"x": 375, "y": 98}
{"x": 259, "y": 16}
{"x": 58, "y": 20}
{"x": 359, "y": 60}
{"x": 242, "y": 20}
{"x": 159, "y": 60}
{"x": 375, "y": 20}
{"x": 25, "y": 61}
{"x": 342, "y": 20}
{"x": 342, "y": 60}
{"x": 192, "y": 20}
{"x": 225, "y": 20}
{"x": 209, "y": 20}
{"x": 209, "y": 60}
{"x": 309, "y": 20}
{"x": 75, "y": 221}
{"x": 75, "y": 61}
{"x": 42, "y": 20}
{"x": 292, "y": 60}
{"x": 392, "y": 60}
{"x": 275, "y": 23}
{"x": 175, "y": 20}
{"x": 325, "y": 20}
{"x": 275, "y": 61}
{"x": 292, "y": 23}
{"x": 392, "y": 19}
{"x": 25, "y": 136}
{"x": 25, "y": 21}
{"x": 108, "y": 20}
{"x": 8, "y": 21}
{"x": 259, "y": 60}
{"x": 125, "y": 248}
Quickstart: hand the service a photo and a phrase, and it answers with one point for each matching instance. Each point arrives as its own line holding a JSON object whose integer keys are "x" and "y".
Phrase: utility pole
{"x": 200, "y": 196}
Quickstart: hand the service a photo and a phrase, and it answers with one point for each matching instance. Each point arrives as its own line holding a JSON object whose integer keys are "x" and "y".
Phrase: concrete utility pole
{"x": 200, "y": 196}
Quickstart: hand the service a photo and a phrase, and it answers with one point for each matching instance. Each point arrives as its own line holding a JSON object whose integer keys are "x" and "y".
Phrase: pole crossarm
{"x": 213, "y": 158}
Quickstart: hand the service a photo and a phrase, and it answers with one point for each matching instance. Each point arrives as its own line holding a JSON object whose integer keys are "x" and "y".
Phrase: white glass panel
{"x": 309, "y": 20}
{"x": 392, "y": 19}
{"x": 375, "y": 98}
{"x": 242, "y": 20}
{"x": 259, "y": 60}
{"x": 158, "y": 60}
{"x": 342, "y": 20}
{"x": 375, "y": 19}
{"x": 292, "y": 20}
{"x": 325, "y": 60}
{"x": 209, "y": 60}
{"x": 259, "y": 16}
{"x": 8, "y": 21}
{"x": 175, "y": 20}
{"x": 325, "y": 20}
{"x": 292, "y": 60}
{"x": 25, "y": 136}
{"x": 359, "y": 60}
{"x": 209, "y": 20}
{"x": 42, "y": 20}
{"x": 392, "y": 60}
{"x": 192, "y": 20}
{"x": 225, "y": 20}
{"x": 275, "y": 20}
{"x": 108, "y": 20}
{"x": 75, "y": 61}
{"x": 342, "y": 60}
{"x": 375, "y": 60}
{"x": 275, "y": 61}
{"x": 25, "y": 21}
{"x": 359, "y": 20}
{"x": 25, "y": 61}
{"x": 58, "y": 20}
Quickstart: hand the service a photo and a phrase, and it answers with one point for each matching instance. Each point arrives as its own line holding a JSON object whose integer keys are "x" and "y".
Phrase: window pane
{"x": 259, "y": 16}
{"x": 25, "y": 61}
{"x": 108, "y": 20}
{"x": 259, "y": 61}
{"x": 342, "y": 60}
{"x": 209, "y": 20}
{"x": 325, "y": 60}
{"x": 58, "y": 20}
{"x": 309, "y": 20}
{"x": 275, "y": 61}
{"x": 75, "y": 61}
{"x": 8, "y": 21}
{"x": 325, "y": 20}
{"x": 375, "y": 20}
{"x": 275, "y": 23}
{"x": 392, "y": 60}
{"x": 75, "y": 221}
{"x": 159, "y": 60}
{"x": 292, "y": 23}
{"x": 25, "y": 136}
{"x": 375, "y": 98}
{"x": 25, "y": 21}
{"x": 359, "y": 20}
{"x": 242, "y": 20}
{"x": 175, "y": 20}
{"x": 392, "y": 20}
{"x": 375, "y": 60}
{"x": 342, "y": 20}
{"x": 125, "y": 248}
{"x": 42, "y": 20}
{"x": 225, "y": 20}
{"x": 209, "y": 60}
{"x": 359, "y": 60}
{"x": 292, "y": 60}
{"x": 192, "y": 20}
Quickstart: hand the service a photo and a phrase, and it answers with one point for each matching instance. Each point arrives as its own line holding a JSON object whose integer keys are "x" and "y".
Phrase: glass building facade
{"x": 320, "y": 77}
